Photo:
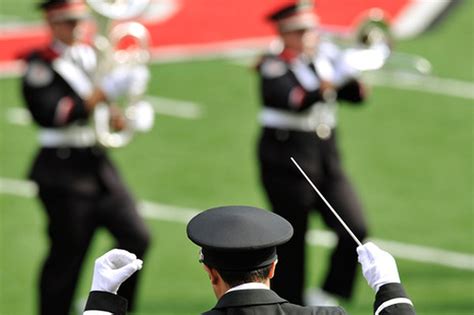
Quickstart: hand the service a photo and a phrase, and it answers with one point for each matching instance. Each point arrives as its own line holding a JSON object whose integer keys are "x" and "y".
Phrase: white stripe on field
{"x": 164, "y": 106}
{"x": 177, "y": 108}
{"x": 18, "y": 116}
{"x": 162, "y": 212}
{"x": 15, "y": 23}
{"x": 410, "y": 81}
{"x": 407, "y": 251}
{"x": 18, "y": 187}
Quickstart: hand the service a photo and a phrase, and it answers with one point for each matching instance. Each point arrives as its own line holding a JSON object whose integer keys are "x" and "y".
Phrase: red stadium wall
{"x": 187, "y": 23}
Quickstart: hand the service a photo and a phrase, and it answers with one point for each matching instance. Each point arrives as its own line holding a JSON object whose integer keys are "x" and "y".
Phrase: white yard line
{"x": 401, "y": 250}
{"x": 18, "y": 116}
{"x": 17, "y": 187}
{"x": 162, "y": 212}
{"x": 163, "y": 106}
{"x": 416, "y": 82}
{"x": 176, "y": 108}
{"x": 14, "y": 23}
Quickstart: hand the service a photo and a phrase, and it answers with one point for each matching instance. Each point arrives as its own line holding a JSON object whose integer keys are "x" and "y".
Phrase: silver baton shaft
{"x": 327, "y": 203}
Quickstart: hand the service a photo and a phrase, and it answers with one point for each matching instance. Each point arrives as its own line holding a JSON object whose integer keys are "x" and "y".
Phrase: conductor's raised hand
{"x": 113, "y": 268}
{"x": 378, "y": 266}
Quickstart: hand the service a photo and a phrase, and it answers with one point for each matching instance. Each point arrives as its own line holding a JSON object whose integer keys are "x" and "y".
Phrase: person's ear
{"x": 271, "y": 274}
{"x": 213, "y": 274}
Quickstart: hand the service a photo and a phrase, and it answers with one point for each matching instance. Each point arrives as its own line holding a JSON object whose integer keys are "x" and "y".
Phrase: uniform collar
{"x": 248, "y": 286}
{"x": 288, "y": 55}
{"x": 248, "y": 297}
{"x": 59, "y": 47}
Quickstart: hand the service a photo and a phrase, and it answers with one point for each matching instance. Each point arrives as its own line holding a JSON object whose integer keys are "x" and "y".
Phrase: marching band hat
{"x": 294, "y": 17}
{"x": 64, "y": 10}
{"x": 238, "y": 238}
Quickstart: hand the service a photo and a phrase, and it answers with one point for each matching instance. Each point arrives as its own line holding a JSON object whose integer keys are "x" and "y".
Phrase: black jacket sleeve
{"x": 49, "y": 98}
{"x": 352, "y": 91}
{"x": 391, "y": 299}
{"x": 281, "y": 89}
{"x": 107, "y": 302}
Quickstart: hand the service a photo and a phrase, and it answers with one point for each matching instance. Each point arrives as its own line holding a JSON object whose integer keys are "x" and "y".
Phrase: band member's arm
{"x": 49, "y": 98}
{"x": 118, "y": 82}
{"x": 280, "y": 89}
{"x": 105, "y": 303}
{"x": 55, "y": 101}
{"x": 110, "y": 271}
{"x": 352, "y": 91}
{"x": 391, "y": 299}
{"x": 380, "y": 271}
{"x": 346, "y": 78}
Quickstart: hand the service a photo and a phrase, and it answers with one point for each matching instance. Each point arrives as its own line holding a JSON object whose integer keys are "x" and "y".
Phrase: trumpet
{"x": 371, "y": 48}
{"x": 114, "y": 28}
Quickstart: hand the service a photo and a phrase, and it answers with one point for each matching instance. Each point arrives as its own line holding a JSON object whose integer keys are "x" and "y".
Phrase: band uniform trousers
{"x": 292, "y": 197}
{"x": 81, "y": 191}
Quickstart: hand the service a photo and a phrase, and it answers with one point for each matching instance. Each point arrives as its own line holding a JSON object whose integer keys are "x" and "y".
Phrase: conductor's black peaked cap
{"x": 238, "y": 237}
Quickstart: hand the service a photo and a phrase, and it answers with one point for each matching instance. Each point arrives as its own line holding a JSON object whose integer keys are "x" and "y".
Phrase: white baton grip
{"x": 378, "y": 266}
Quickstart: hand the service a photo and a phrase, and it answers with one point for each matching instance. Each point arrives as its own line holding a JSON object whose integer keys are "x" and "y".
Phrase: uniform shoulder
{"x": 39, "y": 72}
{"x": 45, "y": 54}
{"x": 329, "y": 49}
{"x": 272, "y": 66}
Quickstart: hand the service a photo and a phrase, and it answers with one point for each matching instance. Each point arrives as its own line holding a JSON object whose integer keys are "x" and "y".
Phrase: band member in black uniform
{"x": 239, "y": 254}
{"x": 79, "y": 187}
{"x": 300, "y": 85}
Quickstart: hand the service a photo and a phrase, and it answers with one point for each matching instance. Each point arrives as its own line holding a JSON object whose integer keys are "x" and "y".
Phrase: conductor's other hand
{"x": 123, "y": 80}
{"x": 113, "y": 268}
{"x": 378, "y": 266}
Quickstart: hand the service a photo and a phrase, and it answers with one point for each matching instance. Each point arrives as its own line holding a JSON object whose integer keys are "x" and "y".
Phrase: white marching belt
{"x": 307, "y": 121}
{"x": 73, "y": 136}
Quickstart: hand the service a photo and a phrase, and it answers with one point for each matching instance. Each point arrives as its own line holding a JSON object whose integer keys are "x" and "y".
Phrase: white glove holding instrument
{"x": 378, "y": 266}
{"x": 125, "y": 79}
{"x": 113, "y": 268}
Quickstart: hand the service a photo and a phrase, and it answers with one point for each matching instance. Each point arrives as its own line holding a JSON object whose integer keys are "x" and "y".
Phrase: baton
{"x": 327, "y": 203}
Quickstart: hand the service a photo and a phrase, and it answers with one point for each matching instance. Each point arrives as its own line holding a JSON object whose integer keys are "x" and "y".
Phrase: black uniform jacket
{"x": 260, "y": 301}
{"x": 281, "y": 89}
{"x": 265, "y": 302}
{"x": 54, "y": 104}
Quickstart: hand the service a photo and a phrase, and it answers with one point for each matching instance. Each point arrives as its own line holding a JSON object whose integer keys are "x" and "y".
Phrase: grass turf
{"x": 409, "y": 154}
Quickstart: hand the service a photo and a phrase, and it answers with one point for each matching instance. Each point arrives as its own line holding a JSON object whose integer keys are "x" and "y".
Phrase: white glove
{"x": 113, "y": 268}
{"x": 142, "y": 116}
{"x": 125, "y": 79}
{"x": 346, "y": 69}
{"x": 141, "y": 76}
{"x": 378, "y": 266}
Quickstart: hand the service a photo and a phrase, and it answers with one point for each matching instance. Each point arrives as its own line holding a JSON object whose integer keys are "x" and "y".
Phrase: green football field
{"x": 409, "y": 153}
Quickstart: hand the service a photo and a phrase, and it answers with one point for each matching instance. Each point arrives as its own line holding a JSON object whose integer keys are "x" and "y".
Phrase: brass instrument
{"x": 368, "y": 50}
{"x": 114, "y": 26}
{"x": 372, "y": 48}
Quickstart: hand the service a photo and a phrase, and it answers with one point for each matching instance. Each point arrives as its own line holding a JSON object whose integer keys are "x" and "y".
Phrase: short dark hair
{"x": 234, "y": 278}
